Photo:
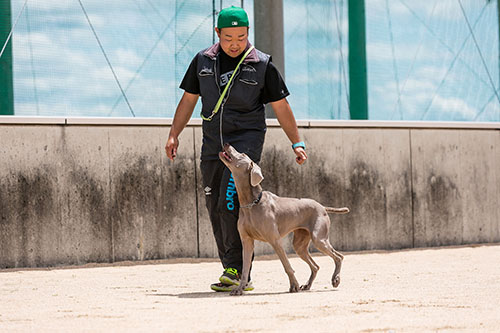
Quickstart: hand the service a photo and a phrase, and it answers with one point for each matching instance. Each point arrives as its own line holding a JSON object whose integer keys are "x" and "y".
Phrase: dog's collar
{"x": 253, "y": 203}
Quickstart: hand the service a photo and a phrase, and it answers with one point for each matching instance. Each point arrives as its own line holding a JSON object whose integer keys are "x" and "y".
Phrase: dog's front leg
{"x": 248, "y": 245}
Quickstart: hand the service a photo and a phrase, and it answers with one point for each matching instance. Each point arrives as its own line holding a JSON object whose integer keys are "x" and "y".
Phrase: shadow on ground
{"x": 212, "y": 294}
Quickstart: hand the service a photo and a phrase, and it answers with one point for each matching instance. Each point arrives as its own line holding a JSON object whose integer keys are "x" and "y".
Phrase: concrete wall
{"x": 88, "y": 190}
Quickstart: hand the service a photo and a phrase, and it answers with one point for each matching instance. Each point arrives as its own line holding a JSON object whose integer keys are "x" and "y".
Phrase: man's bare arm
{"x": 181, "y": 118}
{"x": 287, "y": 122}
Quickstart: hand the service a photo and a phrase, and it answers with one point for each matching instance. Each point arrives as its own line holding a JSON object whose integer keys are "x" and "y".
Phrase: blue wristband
{"x": 299, "y": 144}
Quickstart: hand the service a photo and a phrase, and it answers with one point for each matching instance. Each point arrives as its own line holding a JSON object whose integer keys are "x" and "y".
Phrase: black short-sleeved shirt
{"x": 274, "y": 85}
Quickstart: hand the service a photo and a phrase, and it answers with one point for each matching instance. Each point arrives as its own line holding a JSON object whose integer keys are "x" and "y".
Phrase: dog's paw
{"x": 236, "y": 292}
{"x": 294, "y": 288}
{"x": 305, "y": 287}
{"x": 336, "y": 281}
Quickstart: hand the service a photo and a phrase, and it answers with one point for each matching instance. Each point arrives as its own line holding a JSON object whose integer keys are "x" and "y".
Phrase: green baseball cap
{"x": 232, "y": 17}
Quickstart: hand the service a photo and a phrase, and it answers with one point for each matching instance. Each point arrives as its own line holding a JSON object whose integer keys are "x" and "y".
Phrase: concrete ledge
{"x": 303, "y": 123}
{"x": 127, "y": 121}
{"x": 119, "y": 121}
{"x": 21, "y": 120}
{"x": 403, "y": 124}
{"x": 275, "y": 123}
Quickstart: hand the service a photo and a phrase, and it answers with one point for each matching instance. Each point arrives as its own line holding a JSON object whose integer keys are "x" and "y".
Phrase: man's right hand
{"x": 182, "y": 114}
{"x": 171, "y": 147}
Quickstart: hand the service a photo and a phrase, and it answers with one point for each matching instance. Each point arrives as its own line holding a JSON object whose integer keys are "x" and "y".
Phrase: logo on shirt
{"x": 248, "y": 68}
{"x": 230, "y": 193}
{"x": 205, "y": 71}
{"x": 208, "y": 190}
{"x": 224, "y": 78}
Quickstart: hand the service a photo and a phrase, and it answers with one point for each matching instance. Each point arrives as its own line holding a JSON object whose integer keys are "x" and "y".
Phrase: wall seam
{"x": 162, "y": 248}
{"x": 496, "y": 237}
{"x": 110, "y": 220}
{"x": 196, "y": 196}
{"x": 460, "y": 182}
{"x": 412, "y": 196}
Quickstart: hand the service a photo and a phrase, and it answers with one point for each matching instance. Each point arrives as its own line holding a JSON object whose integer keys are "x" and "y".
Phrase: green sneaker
{"x": 222, "y": 287}
{"x": 230, "y": 277}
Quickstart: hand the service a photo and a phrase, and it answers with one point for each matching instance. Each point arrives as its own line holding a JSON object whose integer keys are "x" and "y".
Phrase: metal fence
{"x": 426, "y": 60}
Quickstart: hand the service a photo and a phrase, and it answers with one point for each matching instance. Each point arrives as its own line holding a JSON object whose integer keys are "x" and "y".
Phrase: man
{"x": 241, "y": 117}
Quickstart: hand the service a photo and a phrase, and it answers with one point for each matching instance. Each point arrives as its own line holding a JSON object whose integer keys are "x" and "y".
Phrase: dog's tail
{"x": 343, "y": 210}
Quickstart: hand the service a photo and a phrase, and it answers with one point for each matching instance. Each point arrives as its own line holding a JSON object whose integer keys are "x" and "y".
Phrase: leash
{"x": 219, "y": 102}
{"x": 221, "y": 97}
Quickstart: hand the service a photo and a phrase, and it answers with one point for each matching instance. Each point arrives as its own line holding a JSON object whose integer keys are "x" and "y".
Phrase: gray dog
{"x": 266, "y": 217}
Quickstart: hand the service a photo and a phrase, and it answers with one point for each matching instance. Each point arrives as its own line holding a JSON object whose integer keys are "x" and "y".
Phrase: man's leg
{"x": 212, "y": 174}
{"x": 229, "y": 211}
{"x": 222, "y": 205}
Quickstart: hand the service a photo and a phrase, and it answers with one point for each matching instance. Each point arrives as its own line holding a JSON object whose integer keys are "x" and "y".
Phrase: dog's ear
{"x": 255, "y": 175}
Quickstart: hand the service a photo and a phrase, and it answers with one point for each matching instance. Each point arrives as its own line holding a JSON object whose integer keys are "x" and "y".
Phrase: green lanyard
{"x": 219, "y": 102}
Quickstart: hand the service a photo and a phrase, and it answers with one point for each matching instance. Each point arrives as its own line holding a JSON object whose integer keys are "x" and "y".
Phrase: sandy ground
{"x": 445, "y": 289}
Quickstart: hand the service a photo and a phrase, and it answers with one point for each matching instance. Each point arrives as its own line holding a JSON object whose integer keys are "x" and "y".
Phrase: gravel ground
{"x": 441, "y": 289}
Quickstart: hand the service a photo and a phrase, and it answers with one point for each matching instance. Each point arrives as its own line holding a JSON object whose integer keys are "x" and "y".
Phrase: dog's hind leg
{"x": 320, "y": 239}
{"x": 301, "y": 240}
{"x": 324, "y": 246}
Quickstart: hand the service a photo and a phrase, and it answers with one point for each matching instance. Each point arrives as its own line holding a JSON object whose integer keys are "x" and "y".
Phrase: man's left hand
{"x": 301, "y": 155}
